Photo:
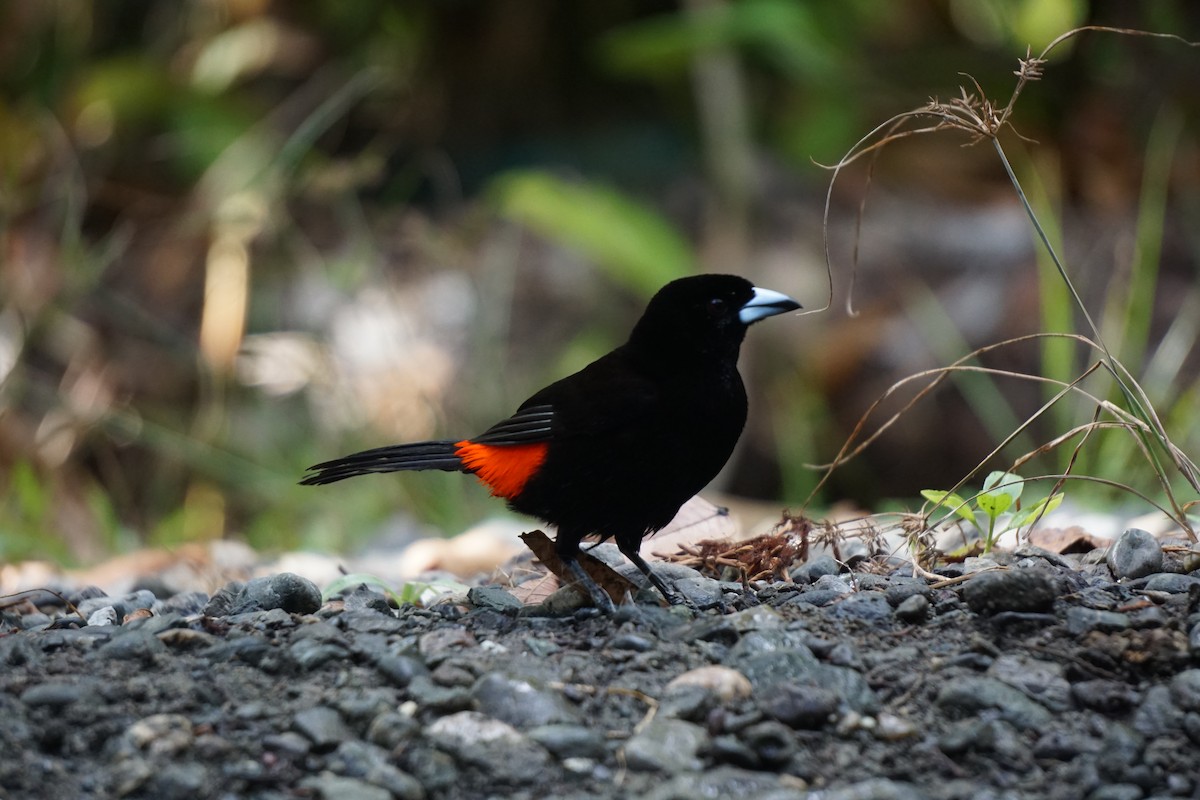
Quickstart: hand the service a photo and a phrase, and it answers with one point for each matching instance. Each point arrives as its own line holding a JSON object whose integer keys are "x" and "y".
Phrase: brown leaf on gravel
{"x": 612, "y": 582}
{"x": 1066, "y": 540}
{"x": 698, "y": 520}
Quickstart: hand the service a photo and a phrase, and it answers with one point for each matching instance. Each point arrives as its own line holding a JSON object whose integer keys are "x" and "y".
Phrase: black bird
{"x": 614, "y": 450}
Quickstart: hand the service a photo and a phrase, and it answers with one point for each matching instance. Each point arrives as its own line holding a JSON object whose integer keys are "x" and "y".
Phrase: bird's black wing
{"x": 531, "y": 424}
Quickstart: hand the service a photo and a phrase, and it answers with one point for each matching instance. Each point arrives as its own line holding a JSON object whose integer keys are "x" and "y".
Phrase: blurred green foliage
{"x": 177, "y": 179}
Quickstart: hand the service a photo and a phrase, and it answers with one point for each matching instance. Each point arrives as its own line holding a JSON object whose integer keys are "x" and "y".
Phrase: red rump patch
{"x": 505, "y": 469}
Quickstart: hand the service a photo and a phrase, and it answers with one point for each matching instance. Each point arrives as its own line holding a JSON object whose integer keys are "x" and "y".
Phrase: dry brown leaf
{"x": 612, "y": 582}
{"x": 1066, "y": 540}
{"x": 535, "y": 591}
{"x": 698, "y": 520}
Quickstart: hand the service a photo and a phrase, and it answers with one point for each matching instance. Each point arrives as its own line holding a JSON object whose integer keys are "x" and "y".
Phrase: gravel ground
{"x": 1047, "y": 677}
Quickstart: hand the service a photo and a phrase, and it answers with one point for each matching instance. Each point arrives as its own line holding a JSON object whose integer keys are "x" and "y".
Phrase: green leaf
{"x": 1043, "y": 506}
{"x": 629, "y": 240}
{"x": 994, "y": 504}
{"x": 950, "y": 501}
{"x": 356, "y": 578}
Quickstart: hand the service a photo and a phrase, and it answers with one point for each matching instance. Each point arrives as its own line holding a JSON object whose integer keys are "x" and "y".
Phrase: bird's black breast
{"x": 630, "y": 445}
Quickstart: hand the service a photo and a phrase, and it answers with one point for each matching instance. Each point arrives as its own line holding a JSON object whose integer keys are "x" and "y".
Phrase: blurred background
{"x": 238, "y": 237}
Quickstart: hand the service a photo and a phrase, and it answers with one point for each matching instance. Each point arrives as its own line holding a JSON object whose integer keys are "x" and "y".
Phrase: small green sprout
{"x": 1001, "y": 492}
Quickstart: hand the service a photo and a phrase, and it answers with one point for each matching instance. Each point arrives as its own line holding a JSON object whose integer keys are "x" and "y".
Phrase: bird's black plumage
{"x": 615, "y": 449}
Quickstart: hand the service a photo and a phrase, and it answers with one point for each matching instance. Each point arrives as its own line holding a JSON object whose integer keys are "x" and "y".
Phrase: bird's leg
{"x": 630, "y": 551}
{"x": 570, "y": 559}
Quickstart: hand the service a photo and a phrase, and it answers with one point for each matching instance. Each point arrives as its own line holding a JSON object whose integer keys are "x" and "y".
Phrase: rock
{"x": 121, "y": 606}
{"x": 285, "y": 591}
{"x": 495, "y": 747}
{"x": 1085, "y": 620}
{"x": 631, "y": 641}
{"x": 699, "y": 591}
{"x": 368, "y": 763}
{"x": 810, "y": 571}
{"x": 1117, "y": 791}
{"x": 1170, "y": 582}
{"x": 333, "y": 787}
{"x": 1135, "y": 554}
{"x": 971, "y": 696}
{"x": 570, "y": 741}
{"x": 1063, "y": 745}
{"x": 390, "y": 729}
{"x": 874, "y": 789}
{"x": 1025, "y": 590}
{"x": 521, "y": 702}
{"x": 55, "y": 694}
{"x": 913, "y": 609}
{"x": 868, "y": 606}
{"x": 725, "y": 782}
{"x": 666, "y": 745}
{"x": 323, "y": 726}
{"x": 132, "y": 645}
{"x": 161, "y": 734}
{"x": 799, "y": 706}
{"x": 1039, "y": 680}
{"x": 1108, "y": 697}
{"x": 493, "y": 597}
{"x": 765, "y": 670}
{"x": 1185, "y": 690}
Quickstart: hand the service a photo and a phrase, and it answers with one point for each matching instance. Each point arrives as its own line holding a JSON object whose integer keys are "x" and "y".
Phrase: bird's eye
{"x": 716, "y": 306}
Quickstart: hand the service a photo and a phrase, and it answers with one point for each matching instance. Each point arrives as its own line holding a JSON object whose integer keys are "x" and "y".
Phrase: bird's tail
{"x": 393, "y": 458}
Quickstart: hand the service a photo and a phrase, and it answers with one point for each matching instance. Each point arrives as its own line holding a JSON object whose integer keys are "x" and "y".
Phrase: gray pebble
{"x": 390, "y": 729}
{"x": 399, "y": 670}
{"x": 868, "y": 606}
{"x": 913, "y": 609}
{"x": 285, "y": 591}
{"x": 1107, "y": 697}
{"x": 443, "y": 699}
{"x": 1135, "y": 554}
{"x": 772, "y": 743}
{"x": 310, "y": 654}
{"x": 1170, "y": 582}
{"x": 1062, "y": 745}
{"x": 489, "y": 745}
{"x": 1157, "y": 714}
{"x": 328, "y": 786}
{"x": 1185, "y": 690}
{"x": 132, "y": 645}
{"x": 520, "y": 701}
{"x": 323, "y": 726}
{"x": 1010, "y": 590}
{"x": 123, "y": 606}
{"x": 726, "y": 782}
{"x": 570, "y": 741}
{"x": 178, "y": 782}
{"x": 810, "y": 571}
{"x": 55, "y": 694}
{"x": 1085, "y": 620}
{"x": 765, "y": 670}
{"x": 666, "y": 745}
{"x": 700, "y": 591}
{"x": 371, "y": 764}
{"x": 106, "y": 615}
{"x": 875, "y": 789}
{"x": 971, "y": 696}
{"x": 1117, "y": 791}
{"x": 1039, "y": 680}
{"x": 803, "y": 707}
{"x": 493, "y": 597}
{"x": 631, "y": 641}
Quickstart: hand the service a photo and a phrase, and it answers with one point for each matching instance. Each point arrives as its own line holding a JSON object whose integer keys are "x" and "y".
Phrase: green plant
{"x": 1000, "y": 497}
{"x": 410, "y": 593}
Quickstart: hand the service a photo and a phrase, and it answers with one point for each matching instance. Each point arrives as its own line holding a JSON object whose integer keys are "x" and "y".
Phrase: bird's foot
{"x": 599, "y": 597}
